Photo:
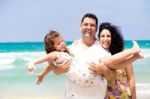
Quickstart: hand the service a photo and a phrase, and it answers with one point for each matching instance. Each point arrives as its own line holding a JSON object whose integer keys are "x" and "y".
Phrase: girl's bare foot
{"x": 136, "y": 47}
{"x": 138, "y": 56}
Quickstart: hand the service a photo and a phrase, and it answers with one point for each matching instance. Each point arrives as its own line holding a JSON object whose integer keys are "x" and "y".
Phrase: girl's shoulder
{"x": 55, "y": 54}
{"x": 75, "y": 43}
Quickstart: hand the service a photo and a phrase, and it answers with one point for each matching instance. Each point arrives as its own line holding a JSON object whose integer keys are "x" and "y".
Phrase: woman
{"x": 123, "y": 85}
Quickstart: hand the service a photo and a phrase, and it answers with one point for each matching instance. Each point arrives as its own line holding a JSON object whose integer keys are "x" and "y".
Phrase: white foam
{"x": 146, "y": 55}
{"x": 6, "y": 61}
{"x": 143, "y": 87}
{"x": 8, "y": 58}
{"x": 143, "y": 90}
{"x": 6, "y": 67}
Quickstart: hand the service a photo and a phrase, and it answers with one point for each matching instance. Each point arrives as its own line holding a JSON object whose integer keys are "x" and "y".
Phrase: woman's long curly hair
{"x": 117, "y": 41}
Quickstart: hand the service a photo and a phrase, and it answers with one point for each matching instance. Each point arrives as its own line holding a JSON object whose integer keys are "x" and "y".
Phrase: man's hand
{"x": 96, "y": 68}
{"x": 62, "y": 68}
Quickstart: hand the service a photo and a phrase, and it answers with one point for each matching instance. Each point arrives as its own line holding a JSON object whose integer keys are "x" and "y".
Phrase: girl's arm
{"x": 43, "y": 74}
{"x": 130, "y": 74}
{"x": 46, "y": 58}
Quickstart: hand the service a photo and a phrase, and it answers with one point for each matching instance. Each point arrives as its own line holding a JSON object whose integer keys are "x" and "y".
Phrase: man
{"x": 85, "y": 50}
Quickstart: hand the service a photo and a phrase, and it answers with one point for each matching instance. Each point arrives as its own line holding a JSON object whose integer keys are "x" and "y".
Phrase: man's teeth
{"x": 87, "y": 34}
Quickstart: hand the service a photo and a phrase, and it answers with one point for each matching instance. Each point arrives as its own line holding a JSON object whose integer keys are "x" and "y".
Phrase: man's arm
{"x": 109, "y": 74}
{"x": 102, "y": 70}
{"x": 64, "y": 67}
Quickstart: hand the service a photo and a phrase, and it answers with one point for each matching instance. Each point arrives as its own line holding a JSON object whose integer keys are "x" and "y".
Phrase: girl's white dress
{"x": 80, "y": 84}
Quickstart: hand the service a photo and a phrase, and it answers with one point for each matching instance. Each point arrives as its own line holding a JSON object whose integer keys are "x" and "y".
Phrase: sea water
{"x": 14, "y": 79}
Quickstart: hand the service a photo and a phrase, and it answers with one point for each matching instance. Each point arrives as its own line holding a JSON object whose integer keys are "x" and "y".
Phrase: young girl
{"x": 57, "y": 52}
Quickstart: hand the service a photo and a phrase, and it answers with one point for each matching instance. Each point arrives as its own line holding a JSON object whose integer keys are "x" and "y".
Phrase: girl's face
{"x": 105, "y": 38}
{"x": 59, "y": 44}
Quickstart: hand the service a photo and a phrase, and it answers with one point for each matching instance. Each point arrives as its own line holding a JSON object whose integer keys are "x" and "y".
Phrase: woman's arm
{"x": 130, "y": 74}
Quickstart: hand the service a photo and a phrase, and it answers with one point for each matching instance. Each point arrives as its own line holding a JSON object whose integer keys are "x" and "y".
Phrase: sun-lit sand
{"x": 29, "y": 97}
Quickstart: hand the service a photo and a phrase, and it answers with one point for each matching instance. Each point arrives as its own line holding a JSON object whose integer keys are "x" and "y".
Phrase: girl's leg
{"x": 128, "y": 61}
{"x": 113, "y": 60}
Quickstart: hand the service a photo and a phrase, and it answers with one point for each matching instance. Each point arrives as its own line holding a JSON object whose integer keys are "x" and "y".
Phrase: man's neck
{"x": 88, "y": 42}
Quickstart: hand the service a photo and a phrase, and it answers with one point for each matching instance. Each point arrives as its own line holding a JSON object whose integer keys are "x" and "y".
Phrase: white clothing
{"x": 73, "y": 72}
{"x": 77, "y": 74}
{"x": 62, "y": 56}
{"x": 86, "y": 86}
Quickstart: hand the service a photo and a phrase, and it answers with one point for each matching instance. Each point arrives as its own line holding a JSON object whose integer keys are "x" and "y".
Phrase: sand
{"x": 29, "y": 97}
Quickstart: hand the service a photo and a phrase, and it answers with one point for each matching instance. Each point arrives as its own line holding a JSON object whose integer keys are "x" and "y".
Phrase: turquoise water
{"x": 23, "y": 46}
{"x": 15, "y": 56}
{"x": 39, "y": 46}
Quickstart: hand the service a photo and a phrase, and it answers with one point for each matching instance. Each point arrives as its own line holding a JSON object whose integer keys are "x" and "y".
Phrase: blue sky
{"x": 30, "y": 20}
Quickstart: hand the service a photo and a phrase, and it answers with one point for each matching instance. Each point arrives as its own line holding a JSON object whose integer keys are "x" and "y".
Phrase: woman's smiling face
{"x": 105, "y": 38}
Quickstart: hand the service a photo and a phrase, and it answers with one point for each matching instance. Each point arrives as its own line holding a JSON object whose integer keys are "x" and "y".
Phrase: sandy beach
{"x": 9, "y": 96}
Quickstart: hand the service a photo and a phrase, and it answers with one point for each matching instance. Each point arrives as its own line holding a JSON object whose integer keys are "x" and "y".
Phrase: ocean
{"x": 14, "y": 80}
